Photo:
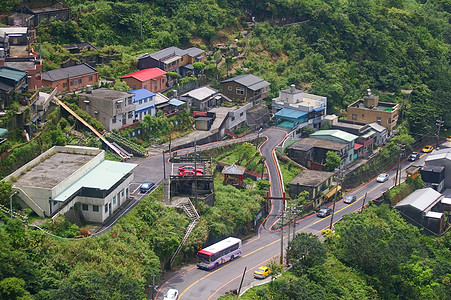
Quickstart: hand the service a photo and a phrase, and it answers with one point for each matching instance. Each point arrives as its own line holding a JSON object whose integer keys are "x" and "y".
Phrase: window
{"x": 145, "y": 87}
{"x": 113, "y": 120}
{"x": 241, "y": 114}
{"x": 145, "y": 100}
{"x": 156, "y": 85}
{"x": 389, "y": 120}
{"x": 114, "y": 200}
{"x": 230, "y": 88}
{"x": 134, "y": 87}
{"x": 95, "y": 208}
{"x": 71, "y": 82}
{"x": 130, "y": 114}
{"x": 64, "y": 84}
{"x": 118, "y": 104}
{"x": 354, "y": 116}
{"x": 379, "y": 119}
{"x": 140, "y": 102}
{"x": 106, "y": 208}
{"x": 239, "y": 91}
{"x": 80, "y": 80}
{"x": 130, "y": 100}
{"x": 122, "y": 193}
{"x": 84, "y": 207}
{"x": 90, "y": 78}
{"x": 257, "y": 102}
{"x": 233, "y": 119}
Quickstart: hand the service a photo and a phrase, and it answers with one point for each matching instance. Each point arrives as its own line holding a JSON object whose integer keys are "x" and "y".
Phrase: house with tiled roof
{"x": 247, "y": 87}
{"x": 144, "y": 101}
{"x": 172, "y": 59}
{"x": 340, "y": 136}
{"x": 71, "y": 78}
{"x": 152, "y": 79}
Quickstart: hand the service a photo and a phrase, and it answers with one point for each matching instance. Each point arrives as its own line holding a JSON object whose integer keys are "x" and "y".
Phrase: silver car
{"x": 349, "y": 199}
{"x": 382, "y": 177}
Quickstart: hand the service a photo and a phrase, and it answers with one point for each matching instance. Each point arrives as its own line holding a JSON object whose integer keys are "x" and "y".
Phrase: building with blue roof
{"x": 144, "y": 101}
{"x": 311, "y": 109}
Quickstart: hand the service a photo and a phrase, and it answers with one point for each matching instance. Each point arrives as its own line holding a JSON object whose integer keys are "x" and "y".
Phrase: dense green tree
{"x": 305, "y": 251}
{"x": 333, "y": 161}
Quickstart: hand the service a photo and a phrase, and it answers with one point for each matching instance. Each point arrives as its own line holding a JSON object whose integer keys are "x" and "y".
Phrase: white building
{"x": 84, "y": 176}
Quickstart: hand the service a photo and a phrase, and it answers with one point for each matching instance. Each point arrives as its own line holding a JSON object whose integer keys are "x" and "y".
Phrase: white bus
{"x": 219, "y": 253}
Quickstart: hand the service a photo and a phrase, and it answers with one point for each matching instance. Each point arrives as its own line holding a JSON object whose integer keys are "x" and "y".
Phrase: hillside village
{"x": 173, "y": 104}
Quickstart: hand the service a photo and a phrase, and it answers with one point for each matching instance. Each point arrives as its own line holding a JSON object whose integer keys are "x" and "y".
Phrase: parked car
{"x": 172, "y": 294}
{"x": 427, "y": 149}
{"x": 262, "y": 272}
{"x": 382, "y": 177}
{"x": 324, "y": 212}
{"x": 349, "y": 199}
{"x": 146, "y": 186}
{"x": 414, "y": 156}
{"x": 186, "y": 167}
{"x": 190, "y": 173}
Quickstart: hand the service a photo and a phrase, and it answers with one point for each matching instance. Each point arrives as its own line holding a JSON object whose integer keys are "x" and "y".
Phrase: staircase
{"x": 191, "y": 212}
{"x": 130, "y": 146}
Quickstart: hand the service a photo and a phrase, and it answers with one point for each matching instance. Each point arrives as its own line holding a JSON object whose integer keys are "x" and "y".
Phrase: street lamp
{"x": 11, "y": 204}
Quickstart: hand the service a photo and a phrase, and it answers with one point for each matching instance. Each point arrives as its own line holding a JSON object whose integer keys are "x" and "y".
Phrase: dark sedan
{"x": 324, "y": 212}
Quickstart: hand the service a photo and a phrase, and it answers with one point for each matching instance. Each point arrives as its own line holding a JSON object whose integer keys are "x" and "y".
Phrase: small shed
{"x": 423, "y": 207}
{"x": 235, "y": 171}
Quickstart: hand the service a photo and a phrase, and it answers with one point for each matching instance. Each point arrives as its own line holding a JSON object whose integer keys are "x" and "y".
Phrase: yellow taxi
{"x": 448, "y": 138}
{"x": 262, "y": 272}
{"x": 427, "y": 149}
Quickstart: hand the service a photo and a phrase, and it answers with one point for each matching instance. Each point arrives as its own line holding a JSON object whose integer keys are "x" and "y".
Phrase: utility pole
{"x": 141, "y": 21}
{"x": 363, "y": 204}
{"x": 281, "y": 241}
{"x": 11, "y": 204}
{"x": 439, "y": 124}
{"x": 339, "y": 174}
{"x": 398, "y": 167}
{"x": 164, "y": 167}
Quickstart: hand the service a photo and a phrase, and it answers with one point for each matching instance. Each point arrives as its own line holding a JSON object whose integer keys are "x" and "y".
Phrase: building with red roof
{"x": 153, "y": 79}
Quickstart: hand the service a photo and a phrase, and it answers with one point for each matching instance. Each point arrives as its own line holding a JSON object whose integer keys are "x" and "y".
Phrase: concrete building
{"x": 84, "y": 177}
{"x": 292, "y": 101}
{"x": 31, "y": 64}
{"x": 314, "y": 182}
{"x": 436, "y": 172}
{"x": 381, "y": 133}
{"x": 342, "y": 137}
{"x": 71, "y": 78}
{"x": 114, "y": 109}
{"x": 58, "y": 11}
{"x": 145, "y": 103}
{"x": 15, "y": 36}
{"x": 369, "y": 110}
{"x": 153, "y": 79}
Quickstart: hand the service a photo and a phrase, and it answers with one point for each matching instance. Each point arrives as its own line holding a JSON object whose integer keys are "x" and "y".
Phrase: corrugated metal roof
{"x": 439, "y": 154}
{"x": 339, "y": 134}
{"x": 141, "y": 94}
{"x": 249, "y": 80}
{"x": 12, "y": 73}
{"x": 145, "y": 74}
{"x": 420, "y": 199}
{"x": 176, "y": 102}
{"x": 290, "y": 114}
{"x": 193, "y": 51}
{"x": 69, "y": 72}
{"x": 12, "y": 30}
{"x": 102, "y": 177}
{"x": 167, "y": 52}
{"x": 378, "y": 127}
{"x": 201, "y": 93}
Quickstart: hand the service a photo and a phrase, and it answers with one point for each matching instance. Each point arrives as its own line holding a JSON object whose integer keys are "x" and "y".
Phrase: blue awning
{"x": 317, "y": 109}
{"x": 176, "y": 102}
{"x": 144, "y": 109}
{"x": 292, "y": 114}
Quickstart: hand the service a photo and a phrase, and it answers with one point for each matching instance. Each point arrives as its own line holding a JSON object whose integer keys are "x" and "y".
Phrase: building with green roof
{"x": 11, "y": 80}
{"x": 339, "y": 136}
